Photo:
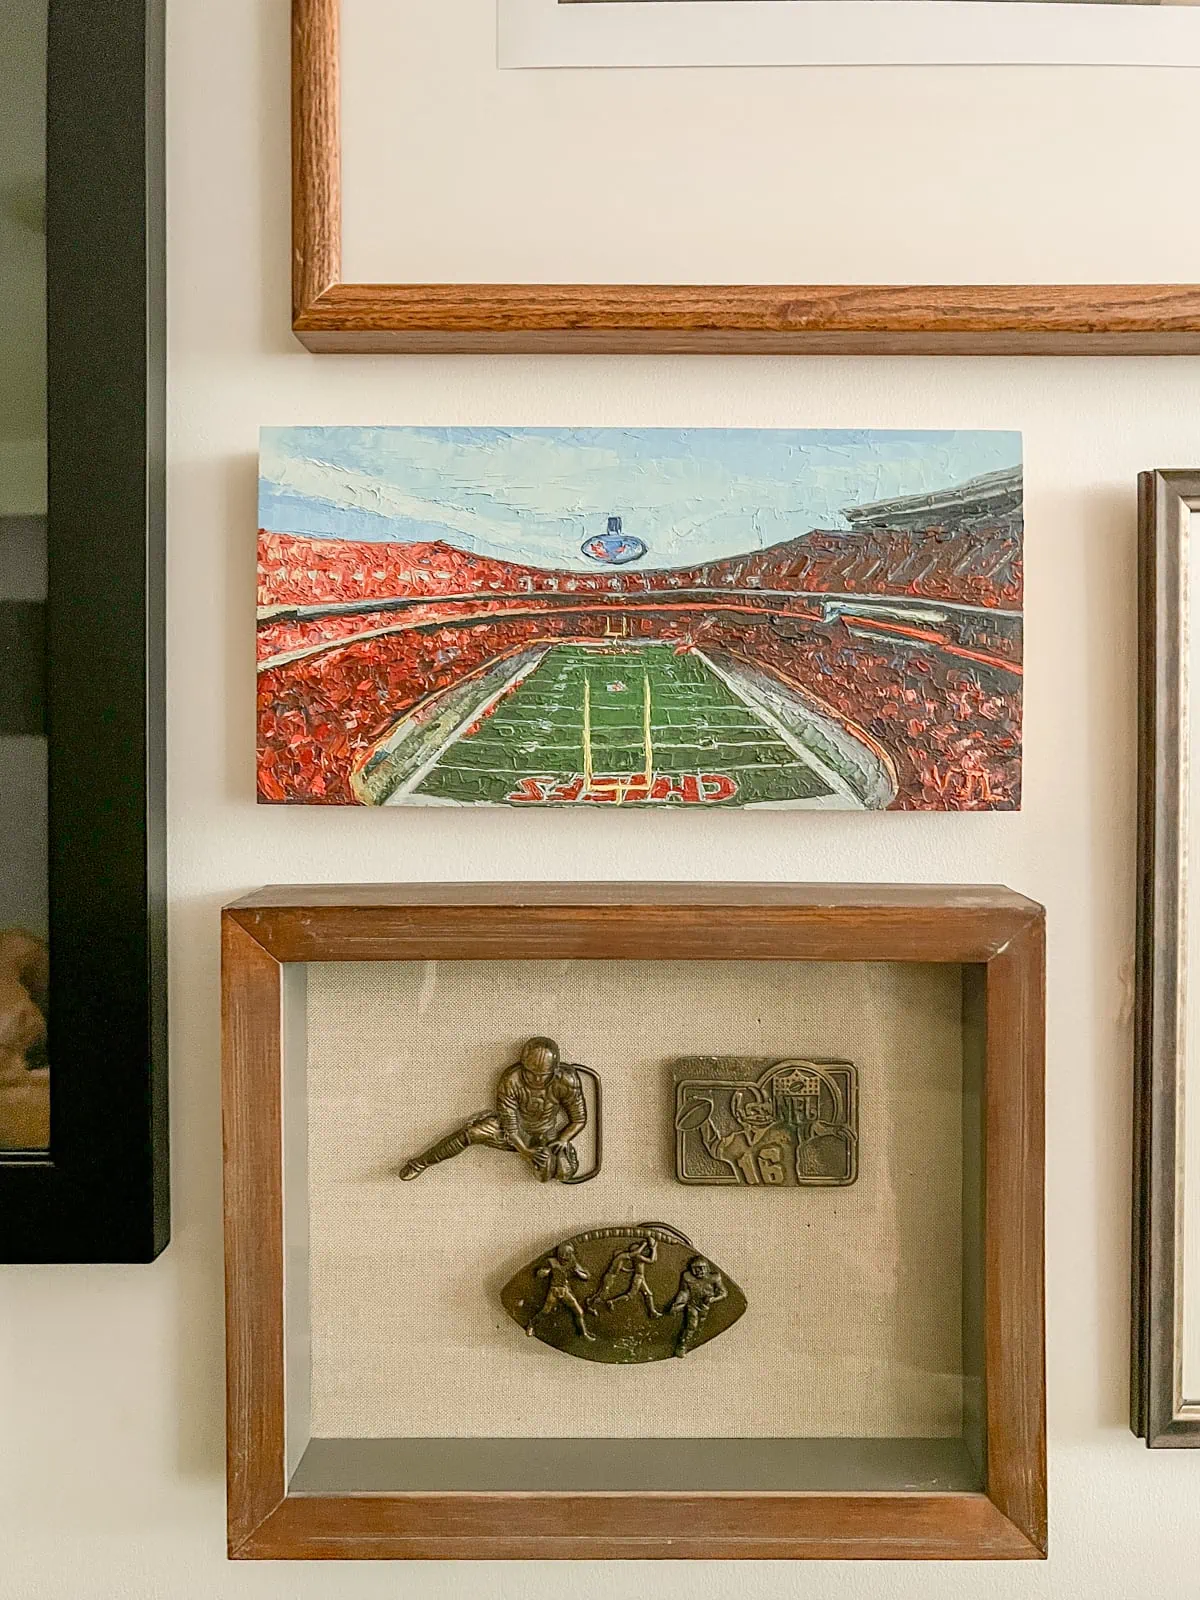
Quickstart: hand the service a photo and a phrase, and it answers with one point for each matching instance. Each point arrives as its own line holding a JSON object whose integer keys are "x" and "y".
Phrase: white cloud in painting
{"x": 535, "y": 495}
{"x": 355, "y": 490}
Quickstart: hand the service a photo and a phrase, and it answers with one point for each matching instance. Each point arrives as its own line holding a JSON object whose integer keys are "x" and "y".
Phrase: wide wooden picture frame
{"x": 100, "y": 1192}
{"x": 1165, "y": 1300}
{"x": 283, "y": 1503}
{"x": 330, "y": 316}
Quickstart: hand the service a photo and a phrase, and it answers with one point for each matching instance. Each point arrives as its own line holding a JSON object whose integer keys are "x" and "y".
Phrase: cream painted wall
{"x": 111, "y": 1378}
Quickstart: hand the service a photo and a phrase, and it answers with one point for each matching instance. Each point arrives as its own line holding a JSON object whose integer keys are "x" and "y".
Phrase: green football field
{"x": 626, "y": 726}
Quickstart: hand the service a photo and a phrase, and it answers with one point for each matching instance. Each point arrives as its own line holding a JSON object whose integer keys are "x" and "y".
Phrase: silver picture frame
{"x": 1165, "y": 1344}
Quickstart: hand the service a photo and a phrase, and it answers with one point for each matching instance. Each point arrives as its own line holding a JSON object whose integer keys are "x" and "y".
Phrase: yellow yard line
{"x": 587, "y": 732}
{"x": 647, "y": 737}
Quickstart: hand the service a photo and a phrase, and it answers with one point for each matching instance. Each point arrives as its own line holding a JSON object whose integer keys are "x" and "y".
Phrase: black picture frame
{"x": 101, "y": 1191}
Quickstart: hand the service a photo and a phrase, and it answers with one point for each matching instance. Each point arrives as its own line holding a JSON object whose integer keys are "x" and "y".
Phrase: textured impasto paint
{"x": 640, "y": 617}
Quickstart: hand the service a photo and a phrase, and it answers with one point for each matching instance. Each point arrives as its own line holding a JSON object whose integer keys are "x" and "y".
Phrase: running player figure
{"x": 562, "y": 1269}
{"x": 700, "y": 1287}
{"x": 540, "y": 1109}
{"x": 634, "y": 1260}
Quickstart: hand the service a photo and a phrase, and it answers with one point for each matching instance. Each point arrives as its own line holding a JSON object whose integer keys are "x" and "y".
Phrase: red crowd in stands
{"x": 949, "y": 724}
{"x": 979, "y": 565}
{"x": 951, "y": 728}
{"x": 319, "y": 715}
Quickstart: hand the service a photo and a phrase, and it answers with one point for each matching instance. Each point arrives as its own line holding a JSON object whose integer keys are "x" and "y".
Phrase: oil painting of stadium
{"x": 640, "y": 617}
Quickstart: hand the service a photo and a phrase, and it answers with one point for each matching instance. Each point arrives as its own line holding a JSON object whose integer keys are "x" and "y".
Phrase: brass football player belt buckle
{"x": 544, "y": 1105}
{"x": 762, "y": 1123}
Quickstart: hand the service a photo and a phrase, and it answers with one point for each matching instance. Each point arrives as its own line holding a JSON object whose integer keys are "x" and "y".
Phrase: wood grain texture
{"x": 331, "y": 317}
{"x": 252, "y": 1049}
{"x": 716, "y": 1527}
{"x": 1014, "y": 1291}
{"x": 642, "y": 922}
{"x": 975, "y": 897}
{"x": 316, "y": 152}
{"x": 848, "y": 319}
{"x": 989, "y": 927}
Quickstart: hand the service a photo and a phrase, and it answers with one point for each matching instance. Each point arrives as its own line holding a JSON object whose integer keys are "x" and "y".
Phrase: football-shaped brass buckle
{"x": 624, "y": 1295}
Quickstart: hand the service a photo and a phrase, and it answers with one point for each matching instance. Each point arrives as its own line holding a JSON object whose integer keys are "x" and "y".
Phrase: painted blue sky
{"x": 533, "y": 495}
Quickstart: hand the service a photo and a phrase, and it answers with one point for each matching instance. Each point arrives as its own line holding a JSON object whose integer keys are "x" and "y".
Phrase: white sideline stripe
{"x": 835, "y": 781}
{"x": 424, "y": 770}
{"x": 714, "y": 750}
{"x": 760, "y": 717}
{"x": 503, "y": 772}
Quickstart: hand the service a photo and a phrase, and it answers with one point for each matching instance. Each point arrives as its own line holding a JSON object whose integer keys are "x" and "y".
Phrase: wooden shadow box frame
{"x": 329, "y": 316}
{"x": 290, "y": 1497}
